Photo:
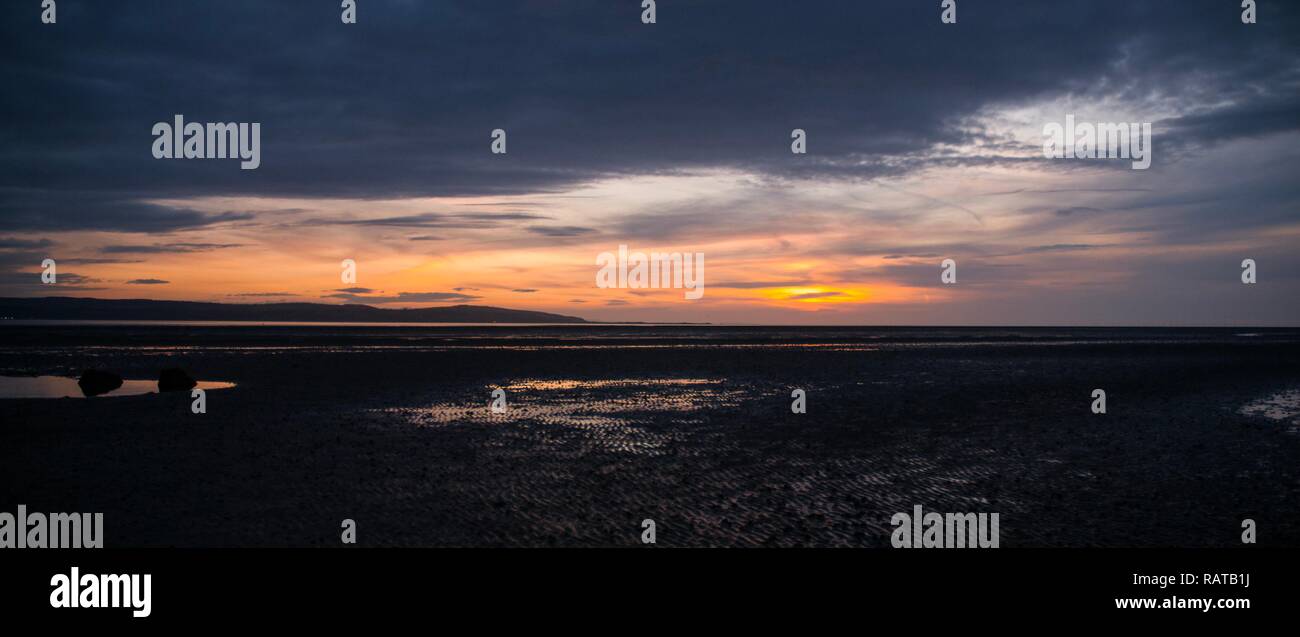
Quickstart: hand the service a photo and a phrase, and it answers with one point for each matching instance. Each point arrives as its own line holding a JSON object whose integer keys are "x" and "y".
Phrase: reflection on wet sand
{"x": 616, "y": 412}
{"x": 62, "y": 387}
{"x": 1283, "y": 406}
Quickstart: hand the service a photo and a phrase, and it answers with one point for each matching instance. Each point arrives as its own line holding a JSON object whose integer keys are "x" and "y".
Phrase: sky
{"x": 924, "y": 143}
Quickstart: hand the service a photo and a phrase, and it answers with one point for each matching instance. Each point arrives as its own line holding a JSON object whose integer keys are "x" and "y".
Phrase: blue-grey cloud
{"x": 11, "y": 243}
{"x": 560, "y": 231}
{"x": 584, "y": 90}
{"x": 20, "y": 283}
{"x": 64, "y": 208}
{"x": 166, "y": 248}
{"x": 435, "y": 220}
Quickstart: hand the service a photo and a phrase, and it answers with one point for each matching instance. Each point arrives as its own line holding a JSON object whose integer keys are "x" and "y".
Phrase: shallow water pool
{"x": 63, "y": 387}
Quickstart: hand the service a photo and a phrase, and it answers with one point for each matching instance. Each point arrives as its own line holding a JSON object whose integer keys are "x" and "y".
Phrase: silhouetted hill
{"x": 70, "y": 308}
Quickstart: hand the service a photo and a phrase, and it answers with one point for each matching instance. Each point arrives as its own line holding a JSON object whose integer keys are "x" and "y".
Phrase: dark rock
{"x": 174, "y": 379}
{"x": 94, "y": 382}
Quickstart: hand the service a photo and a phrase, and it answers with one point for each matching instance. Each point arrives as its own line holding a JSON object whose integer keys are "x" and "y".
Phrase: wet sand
{"x": 690, "y": 427}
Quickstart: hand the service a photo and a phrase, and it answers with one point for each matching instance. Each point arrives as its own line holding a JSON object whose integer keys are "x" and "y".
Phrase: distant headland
{"x": 89, "y": 309}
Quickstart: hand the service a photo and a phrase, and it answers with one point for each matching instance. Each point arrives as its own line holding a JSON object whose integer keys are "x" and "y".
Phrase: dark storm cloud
{"x": 403, "y": 103}
{"x": 10, "y": 243}
{"x": 62, "y": 208}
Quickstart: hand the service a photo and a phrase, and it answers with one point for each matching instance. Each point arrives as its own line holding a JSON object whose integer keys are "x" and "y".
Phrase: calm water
{"x": 42, "y": 334}
{"x": 63, "y": 387}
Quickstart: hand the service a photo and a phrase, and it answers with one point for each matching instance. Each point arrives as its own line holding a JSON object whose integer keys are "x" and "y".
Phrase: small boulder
{"x": 94, "y": 382}
{"x": 174, "y": 379}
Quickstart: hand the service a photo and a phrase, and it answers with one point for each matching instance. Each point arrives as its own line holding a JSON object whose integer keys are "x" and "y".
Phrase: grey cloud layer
{"x": 402, "y": 103}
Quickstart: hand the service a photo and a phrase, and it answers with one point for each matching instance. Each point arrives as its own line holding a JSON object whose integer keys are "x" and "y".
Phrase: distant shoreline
{"x": 54, "y": 310}
{"x": 1242, "y": 330}
{"x": 62, "y": 308}
{"x": 4, "y": 320}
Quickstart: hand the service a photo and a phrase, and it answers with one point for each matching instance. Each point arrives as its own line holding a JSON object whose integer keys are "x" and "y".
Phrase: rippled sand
{"x": 697, "y": 434}
{"x": 1283, "y": 406}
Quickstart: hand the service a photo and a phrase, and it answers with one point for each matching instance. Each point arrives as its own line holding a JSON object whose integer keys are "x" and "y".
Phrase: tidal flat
{"x": 690, "y": 426}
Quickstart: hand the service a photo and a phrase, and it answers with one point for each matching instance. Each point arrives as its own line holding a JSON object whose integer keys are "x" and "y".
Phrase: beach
{"x": 688, "y": 426}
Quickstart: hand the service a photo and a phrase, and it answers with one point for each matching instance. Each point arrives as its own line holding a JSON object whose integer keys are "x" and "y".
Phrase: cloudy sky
{"x": 924, "y": 143}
